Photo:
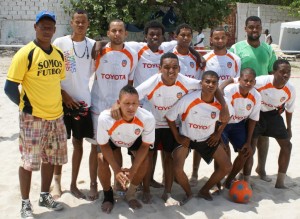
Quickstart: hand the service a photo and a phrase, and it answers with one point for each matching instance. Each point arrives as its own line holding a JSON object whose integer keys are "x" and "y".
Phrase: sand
{"x": 267, "y": 202}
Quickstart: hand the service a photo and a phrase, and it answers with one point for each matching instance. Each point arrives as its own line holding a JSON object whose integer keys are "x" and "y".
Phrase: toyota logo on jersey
{"x": 213, "y": 115}
{"x": 229, "y": 64}
{"x": 124, "y": 63}
{"x": 248, "y": 107}
{"x": 137, "y": 131}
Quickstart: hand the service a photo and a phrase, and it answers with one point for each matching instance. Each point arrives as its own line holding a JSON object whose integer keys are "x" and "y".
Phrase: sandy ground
{"x": 267, "y": 202}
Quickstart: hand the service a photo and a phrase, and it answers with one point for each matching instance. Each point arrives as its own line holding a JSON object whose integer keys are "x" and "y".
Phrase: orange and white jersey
{"x": 271, "y": 97}
{"x": 161, "y": 97}
{"x": 226, "y": 66}
{"x": 124, "y": 134}
{"x": 114, "y": 68}
{"x": 198, "y": 118}
{"x": 188, "y": 65}
{"x": 244, "y": 107}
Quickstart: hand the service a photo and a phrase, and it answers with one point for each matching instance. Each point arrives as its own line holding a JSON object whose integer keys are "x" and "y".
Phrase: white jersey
{"x": 124, "y": 134}
{"x": 78, "y": 70}
{"x": 161, "y": 97}
{"x": 244, "y": 107}
{"x": 226, "y": 66}
{"x": 271, "y": 97}
{"x": 114, "y": 68}
{"x": 188, "y": 65}
{"x": 198, "y": 118}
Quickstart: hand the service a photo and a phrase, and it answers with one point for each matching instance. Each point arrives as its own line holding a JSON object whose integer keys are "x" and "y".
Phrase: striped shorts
{"x": 42, "y": 140}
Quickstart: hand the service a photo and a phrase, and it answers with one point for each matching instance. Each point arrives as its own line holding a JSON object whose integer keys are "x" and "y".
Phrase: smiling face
{"x": 154, "y": 37}
{"x": 169, "y": 69}
{"x": 253, "y": 30}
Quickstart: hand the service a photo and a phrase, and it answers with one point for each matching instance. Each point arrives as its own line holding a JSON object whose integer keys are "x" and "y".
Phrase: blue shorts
{"x": 236, "y": 134}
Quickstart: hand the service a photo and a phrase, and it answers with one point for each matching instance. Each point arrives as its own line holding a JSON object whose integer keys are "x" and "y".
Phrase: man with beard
{"x": 226, "y": 65}
{"x": 260, "y": 57}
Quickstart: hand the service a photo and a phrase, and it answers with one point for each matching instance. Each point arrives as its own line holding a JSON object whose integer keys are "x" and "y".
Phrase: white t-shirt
{"x": 114, "y": 68}
{"x": 271, "y": 97}
{"x": 78, "y": 70}
{"x": 188, "y": 65}
{"x": 244, "y": 107}
{"x": 124, "y": 134}
{"x": 226, "y": 66}
{"x": 198, "y": 118}
{"x": 161, "y": 98}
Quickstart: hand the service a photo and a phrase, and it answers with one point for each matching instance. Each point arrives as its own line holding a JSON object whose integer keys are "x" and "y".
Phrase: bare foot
{"x": 156, "y": 184}
{"x": 169, "y": 201}
{"x": 93, "y": 194}
{"x": 205, "y": 195}
{"x": 56, "y": 191}
{"x": 186, "y": 200}
{"x": 107, "y": 206}
{"x": 193, "y": 181}
{"x": 278, "y": 186}
{"x": 263, "y": 176}
{"x": 134, "y": 204}
{"x": 146, "y": 198}
{"x": 76, "y": 192}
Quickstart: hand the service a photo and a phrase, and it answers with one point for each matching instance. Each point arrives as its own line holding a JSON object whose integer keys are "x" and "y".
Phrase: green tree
{"x": 197, "y": 13}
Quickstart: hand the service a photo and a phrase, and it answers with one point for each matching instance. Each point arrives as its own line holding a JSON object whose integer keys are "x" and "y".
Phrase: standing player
{"x": 260, "y": 57}
{"x": 76, "y": 95}
{"x": 162, "y": 91}
{"x": 199, "y": 112}
{"x": 135, "y": 131}
{"x": 39, "y": 67}
{"x": 246, "y": 101}
{"x": 226, "y": 65}
{"x": 278, "y": 95}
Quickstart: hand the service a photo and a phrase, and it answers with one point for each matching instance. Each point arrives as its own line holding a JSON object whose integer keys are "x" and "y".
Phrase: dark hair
{"x": 210, "y": 73}
{"x": 246, "y": 71}
{"x": 127, "y": 89}
{"x": 117, "y": 21}
{"x": 217, "y": 29}
{"x": 168, "y": 55}
{"x": 154, "y": 24}
{"x": 252, "y": 18}
{"x": 279, "y": 62}
{"x": 80, "y": 11}
{"x": 183, "y": 26}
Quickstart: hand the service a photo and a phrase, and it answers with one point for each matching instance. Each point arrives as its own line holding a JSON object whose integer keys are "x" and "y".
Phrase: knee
{"x": 227, "y": 167}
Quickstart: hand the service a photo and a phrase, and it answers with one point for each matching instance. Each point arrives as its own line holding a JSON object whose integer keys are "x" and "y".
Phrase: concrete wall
{"x": 17, "y": 18}
{"x": 271, "y": 15}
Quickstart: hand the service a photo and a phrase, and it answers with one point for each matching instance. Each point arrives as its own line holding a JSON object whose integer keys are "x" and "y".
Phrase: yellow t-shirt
{"x": 40, "y": 79}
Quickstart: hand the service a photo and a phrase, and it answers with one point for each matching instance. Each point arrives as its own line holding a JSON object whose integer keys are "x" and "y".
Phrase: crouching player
{"x": 135, "y": 131}
{"x": 246, "y": 102}
{"x": 199, "y": 112}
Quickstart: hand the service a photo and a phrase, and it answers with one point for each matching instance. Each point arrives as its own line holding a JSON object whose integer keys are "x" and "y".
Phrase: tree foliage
{"x": 197, "y": 13}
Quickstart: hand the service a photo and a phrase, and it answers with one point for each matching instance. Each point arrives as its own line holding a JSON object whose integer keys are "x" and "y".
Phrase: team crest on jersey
{"x": 213, "y": 115}
{"x": 124, "y": 63}
{"x": 192, "y": 64}
{"x": 282, "y": 99}
{"x": 179, "y": 95}
{"x": 229, "y": 64}
{"x": 248, "y": 107}
{"x": 137, "y": 131}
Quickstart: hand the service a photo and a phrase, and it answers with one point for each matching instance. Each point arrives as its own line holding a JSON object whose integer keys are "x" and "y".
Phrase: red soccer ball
{"x": 240, "y": 191}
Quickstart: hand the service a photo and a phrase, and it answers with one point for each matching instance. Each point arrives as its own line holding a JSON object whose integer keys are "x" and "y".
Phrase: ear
{"x": 118, "y": 101}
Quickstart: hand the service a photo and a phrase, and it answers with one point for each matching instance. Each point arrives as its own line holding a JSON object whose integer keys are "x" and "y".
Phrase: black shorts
{"x": 136, "y": 145}
{"x": 204, "y": 150}
{"x": 80, "y": 128}
{"x": 270, "y": 124}
{"x": 166, "y": 138}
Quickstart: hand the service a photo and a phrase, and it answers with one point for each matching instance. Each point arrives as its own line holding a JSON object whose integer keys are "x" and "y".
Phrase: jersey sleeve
{"x": 254, "y": 115}
{"x": 192, "y": 84}
{"x": 178, "y": 109}
{"x": 168, "y": 46}
{"x": 146, "y": 87}
{"x": 134, "y": 64}
{"x": 135, "y": 46}
{"x": 148, "y": 135}
{"x": 18, "y": 67}
{"x": 102, "y": 130}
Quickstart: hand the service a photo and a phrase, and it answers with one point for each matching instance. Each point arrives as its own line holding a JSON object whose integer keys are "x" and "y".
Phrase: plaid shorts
{"x": 42, "y": 139}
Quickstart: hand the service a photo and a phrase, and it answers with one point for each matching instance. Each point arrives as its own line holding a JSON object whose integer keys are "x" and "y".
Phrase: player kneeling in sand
{"x": 135, "y": 131}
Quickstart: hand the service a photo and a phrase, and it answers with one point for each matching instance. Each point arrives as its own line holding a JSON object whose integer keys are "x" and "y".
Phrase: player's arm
{"x": 247, "y": 149}
{"x": 109, "y": 157}
{"x": 98, "y": 47}
{"x": 225, "y": 84}
{"x": 224, "y": 113}
{"x": 68, "y": 100}
{"x": 184, "y": 141}
{"x": 288, "y": 117}
{"x": 12, "y": 91}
